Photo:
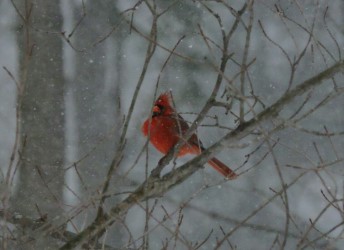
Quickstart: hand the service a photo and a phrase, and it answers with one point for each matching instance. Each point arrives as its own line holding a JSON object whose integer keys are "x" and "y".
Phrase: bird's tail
{"x": 222, "y": 168}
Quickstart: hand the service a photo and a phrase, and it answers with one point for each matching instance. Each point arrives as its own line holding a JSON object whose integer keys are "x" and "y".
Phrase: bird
{"x": 166, "y": 127}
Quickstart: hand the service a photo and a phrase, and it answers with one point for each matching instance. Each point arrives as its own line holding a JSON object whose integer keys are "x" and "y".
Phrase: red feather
{"x": 166, "y": 127}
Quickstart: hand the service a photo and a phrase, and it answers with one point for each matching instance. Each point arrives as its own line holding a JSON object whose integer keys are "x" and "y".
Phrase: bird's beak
{"x": 156, "y": 111}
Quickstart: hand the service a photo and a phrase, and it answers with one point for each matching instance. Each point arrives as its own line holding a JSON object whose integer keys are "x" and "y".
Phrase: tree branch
{"x": 155, "y": 186}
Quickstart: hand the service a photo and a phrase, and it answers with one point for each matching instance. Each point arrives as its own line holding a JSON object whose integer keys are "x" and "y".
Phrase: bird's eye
{"x": 160, "y": 107}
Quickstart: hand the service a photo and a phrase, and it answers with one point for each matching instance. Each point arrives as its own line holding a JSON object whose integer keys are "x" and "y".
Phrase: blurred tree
{"x": 96, "y": 89}
{"x": 39, "y": 189}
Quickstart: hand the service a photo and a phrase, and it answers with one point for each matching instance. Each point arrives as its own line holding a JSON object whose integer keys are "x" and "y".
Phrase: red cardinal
{"x": 167, "y": 127}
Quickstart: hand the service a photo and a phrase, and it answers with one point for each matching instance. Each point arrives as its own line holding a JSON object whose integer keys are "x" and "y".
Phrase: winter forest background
{"x": 262, "y": 79}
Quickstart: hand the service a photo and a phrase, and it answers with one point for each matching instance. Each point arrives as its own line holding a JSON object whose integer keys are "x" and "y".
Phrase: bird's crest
{"x": 165, "y": 99}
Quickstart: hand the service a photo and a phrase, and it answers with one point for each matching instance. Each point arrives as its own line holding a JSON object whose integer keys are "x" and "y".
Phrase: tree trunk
{"x": 41, "y": 177}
